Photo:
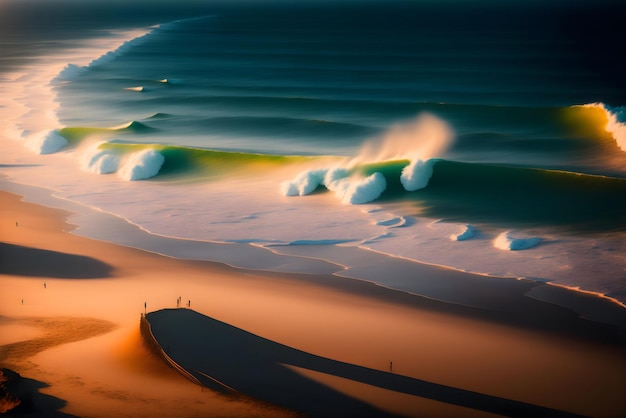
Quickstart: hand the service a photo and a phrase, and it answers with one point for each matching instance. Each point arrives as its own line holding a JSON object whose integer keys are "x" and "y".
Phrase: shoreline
{"x": 367, "y": 265}
{"x": 265, "y": 257}
{"x": 343, "y": 319}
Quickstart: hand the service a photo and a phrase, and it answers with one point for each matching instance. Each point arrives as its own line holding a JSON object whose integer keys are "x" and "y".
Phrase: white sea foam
{"x": 304, "y": 183}
{"x": 505, "y": 241}
{"x": 46, "y": 142}
{"x": 357, "y": 191}
{"x": 141, "y": 165}
{"x": 417, "y": 174}
{"x": 419, "y": 141}
{"x": 335, "y": 174}
{"x": 466, "y": 233}
{"x": 100, "y": 161}
{"x": 349, "y": 189}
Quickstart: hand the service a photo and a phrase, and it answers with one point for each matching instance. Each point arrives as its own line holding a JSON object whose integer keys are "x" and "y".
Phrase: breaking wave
{"x": 46, "y": 142}
{"x": 466, "y": 233}
{"x": 616, "y": 122}
{"x": 141, "y": 165}
{"x": 505, "y": 241}
{"x": 100, "y": 161}
{"x": 72, "y": 71}
{"x": 416, "y": 142}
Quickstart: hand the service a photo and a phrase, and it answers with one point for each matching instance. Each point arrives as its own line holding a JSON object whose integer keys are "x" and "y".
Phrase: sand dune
{"x": 230, "y": 359}
{"x": 319, "y": 344}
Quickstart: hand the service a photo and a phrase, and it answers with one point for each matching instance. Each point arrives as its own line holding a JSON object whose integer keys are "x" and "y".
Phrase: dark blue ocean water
{"x": 532, "y": 95}
{"x": 323, "y": 79}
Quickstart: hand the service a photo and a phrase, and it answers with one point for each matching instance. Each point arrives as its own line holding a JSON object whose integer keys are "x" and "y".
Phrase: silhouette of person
{"x": 189, "y": 303}
{"x": 391, "y": 366}
{"x": 44, "y": 285}
{"x": 145, "y": 306}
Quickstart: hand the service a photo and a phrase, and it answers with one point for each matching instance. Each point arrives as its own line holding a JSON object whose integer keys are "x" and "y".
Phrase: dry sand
{"x": 77, "y": 334}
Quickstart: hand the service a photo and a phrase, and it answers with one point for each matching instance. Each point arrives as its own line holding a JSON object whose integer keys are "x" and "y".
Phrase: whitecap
{"x": 46, "y": 142}
{"x": 142, "y": 165}
{"x": 505, "y": 241}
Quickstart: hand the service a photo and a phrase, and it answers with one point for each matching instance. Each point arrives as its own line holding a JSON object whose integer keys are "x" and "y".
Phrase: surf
{"x": 614, "y": 121}
{"x": 417, "y": 142}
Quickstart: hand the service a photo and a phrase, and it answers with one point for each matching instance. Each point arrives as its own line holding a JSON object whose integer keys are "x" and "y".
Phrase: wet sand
{"x": 77, "y": 332}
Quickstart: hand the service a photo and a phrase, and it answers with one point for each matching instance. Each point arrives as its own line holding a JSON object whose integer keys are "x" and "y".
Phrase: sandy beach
{"x": 292, "y": 344}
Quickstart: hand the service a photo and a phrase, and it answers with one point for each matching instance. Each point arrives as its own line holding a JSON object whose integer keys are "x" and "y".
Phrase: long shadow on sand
{"x": 25, "y": 261}
{"x": 212, "y": 350}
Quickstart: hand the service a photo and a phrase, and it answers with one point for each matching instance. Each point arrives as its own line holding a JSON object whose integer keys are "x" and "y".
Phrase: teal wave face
{"x": 520, "y": 196}
{"x": 203, "y": 164}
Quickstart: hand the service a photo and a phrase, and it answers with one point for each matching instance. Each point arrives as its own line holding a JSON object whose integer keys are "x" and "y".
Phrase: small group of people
{"x": 179, "y": 302}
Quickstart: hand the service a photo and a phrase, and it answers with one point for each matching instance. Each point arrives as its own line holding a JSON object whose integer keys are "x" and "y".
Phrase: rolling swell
{"x": 201, "y": 163}
{"x": 282, "y": 126}
{"x": 75, "y": 134}
{"x": 456, "y": 191}
{"x": 480, "y": 193}
{"x": 527, "y": 197}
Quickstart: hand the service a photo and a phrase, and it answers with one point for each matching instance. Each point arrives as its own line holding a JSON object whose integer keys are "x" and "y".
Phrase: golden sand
{"x": 80, "y": 333}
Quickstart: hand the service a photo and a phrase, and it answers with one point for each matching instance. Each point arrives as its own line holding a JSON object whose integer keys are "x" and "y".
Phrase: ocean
{"x": 477, "y": 136}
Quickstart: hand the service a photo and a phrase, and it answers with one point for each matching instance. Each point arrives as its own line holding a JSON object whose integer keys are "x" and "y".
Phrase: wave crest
{"x": 505, "y": 241}
{"x": 141, "y": 165}
{"x": 417, "y": 174}
{"x": 466, "y": 233}
{"x": 358, "y": 191}
{"x": 304, "y": 183}
{"x": 46, "y": 142}
{"x": 616, "y": 122}
{"x": 417, "y": 141}
{"x": 100, "y": 161}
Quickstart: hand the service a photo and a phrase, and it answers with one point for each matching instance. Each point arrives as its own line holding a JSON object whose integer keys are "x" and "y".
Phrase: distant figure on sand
{"x": 44, "y": 285}
{"x": 391, "y": 366}
{"x": 145, "y": 306}
{"x": 15, "y": 223}
{"x": 189, "y": 303}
